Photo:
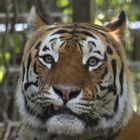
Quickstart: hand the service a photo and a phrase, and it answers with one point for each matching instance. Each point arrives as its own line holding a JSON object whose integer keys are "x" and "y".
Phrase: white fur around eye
{"x": 53, "y": 47}
{"x": 44, "y": 63}
{"x": 94, "y": 67}
{"x": 91, "y": 51}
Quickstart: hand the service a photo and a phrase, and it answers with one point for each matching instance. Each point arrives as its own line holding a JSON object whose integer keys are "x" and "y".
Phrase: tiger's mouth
{"x": 60, "y": 98}
{"x": 64, "y": 122}
{"x": 61, "y": 110}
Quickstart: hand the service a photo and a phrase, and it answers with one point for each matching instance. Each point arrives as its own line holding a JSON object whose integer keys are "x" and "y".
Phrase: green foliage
{"x": 16, "y": 42}
{"x": 13, "y": 48}
{"x": 65, "y": 7}
{"x": 113, "y": 7}
{"x": 1, "y": 132}
{"x": 62, "y": 3}
{"x": 2, "y": 73}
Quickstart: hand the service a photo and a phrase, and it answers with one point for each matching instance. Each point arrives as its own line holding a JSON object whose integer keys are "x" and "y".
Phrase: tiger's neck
{"x": 38, "y": 135}
{"x": 95, "y": 133}
{"x": 29, "y": 133}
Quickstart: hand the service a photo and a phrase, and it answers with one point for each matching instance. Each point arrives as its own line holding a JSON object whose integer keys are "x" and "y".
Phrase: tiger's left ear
{"x": 119, "y": 25}
{"x": 35, "y": 20}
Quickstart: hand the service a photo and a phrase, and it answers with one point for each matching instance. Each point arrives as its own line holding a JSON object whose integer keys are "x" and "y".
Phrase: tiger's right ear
{"x": 34, "y": 21}
{"x": 119, "y": 25}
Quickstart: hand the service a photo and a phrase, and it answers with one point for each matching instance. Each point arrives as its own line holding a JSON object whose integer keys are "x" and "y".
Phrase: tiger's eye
{"x": 48, "y": 59}
{"x": 92, "y": 61}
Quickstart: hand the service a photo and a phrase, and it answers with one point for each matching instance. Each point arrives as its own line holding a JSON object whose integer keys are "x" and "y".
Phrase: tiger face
{"x": 74, "y": 78}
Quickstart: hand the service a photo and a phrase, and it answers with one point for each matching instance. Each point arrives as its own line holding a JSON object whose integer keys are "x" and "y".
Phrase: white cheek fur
{"x": 26, "y": 117}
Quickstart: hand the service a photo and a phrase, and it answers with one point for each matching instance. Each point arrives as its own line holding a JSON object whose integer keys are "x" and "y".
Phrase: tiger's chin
{"x": 65, "y": 124}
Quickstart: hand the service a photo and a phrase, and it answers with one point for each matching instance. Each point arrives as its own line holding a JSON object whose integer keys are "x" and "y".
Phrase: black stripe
{"x": 37, "y": 48}
{"x": 23, "y": 70}
{"x": 105, "y": 73}
{"x": 116, "y": 104}
{"x": 103, "y": 88}
{"x": 88, "y": 34}
{"x": 35, "y": 68}
{"x": 101, "y": 97}
{"x": 62, "y": 44}
{"x": 110, "y": 88}
{"x": 109, "y": 50}
{"x": 92, "y": 43}
{"x": 60, "y": 32}
{"x": 38, "y": 45}
{"x": 80, "y": 45}
{"x": 114, "y": 68}
{"x": 52, "y": 39}
{"x": 94, "y": 29}
{"x": 121, "y": 79}
{"x": 98, "y": 52}
{"x": 104, "y": 35}
{"x": 105, "y": 57}
{"x": 29, "y": 61}
{"x": 45, "y": 48}
{"x": 28, "y": 84}
{"x": 28, "y": 65}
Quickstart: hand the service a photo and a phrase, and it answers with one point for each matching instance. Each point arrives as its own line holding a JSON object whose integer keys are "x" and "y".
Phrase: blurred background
{"x": 13, "y": 14}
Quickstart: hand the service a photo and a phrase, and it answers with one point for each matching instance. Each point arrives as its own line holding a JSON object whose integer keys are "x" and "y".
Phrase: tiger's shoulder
{"x": 131, "y": 131}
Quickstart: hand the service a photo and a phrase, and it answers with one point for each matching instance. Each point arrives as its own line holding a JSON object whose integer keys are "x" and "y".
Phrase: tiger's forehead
{"x": 87, "y": 38}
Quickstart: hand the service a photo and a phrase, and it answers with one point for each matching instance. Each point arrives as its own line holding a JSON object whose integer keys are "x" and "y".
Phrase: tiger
{"x": 74, "y": 82}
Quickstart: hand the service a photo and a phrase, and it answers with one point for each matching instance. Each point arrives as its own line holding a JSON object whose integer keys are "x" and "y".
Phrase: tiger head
{"x": 74, "y": 78}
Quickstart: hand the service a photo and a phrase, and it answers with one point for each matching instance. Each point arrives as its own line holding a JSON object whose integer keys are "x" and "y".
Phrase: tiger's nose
{"x": 66, "y": 94}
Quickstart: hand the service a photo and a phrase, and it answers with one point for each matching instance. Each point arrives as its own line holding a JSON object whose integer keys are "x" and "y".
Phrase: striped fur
{"x": 74, "y": 82}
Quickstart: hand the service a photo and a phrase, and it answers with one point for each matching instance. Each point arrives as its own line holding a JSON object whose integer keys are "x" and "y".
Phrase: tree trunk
{"x": 81, "y": 10}
{"x": 136, "y": 51}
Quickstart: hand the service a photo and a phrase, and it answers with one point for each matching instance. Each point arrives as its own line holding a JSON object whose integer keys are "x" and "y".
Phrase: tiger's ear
{"x": 34, "y": 21}
{"x": 119, "y": 25}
